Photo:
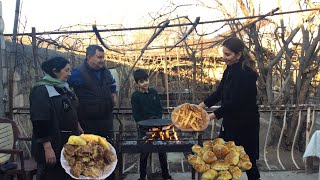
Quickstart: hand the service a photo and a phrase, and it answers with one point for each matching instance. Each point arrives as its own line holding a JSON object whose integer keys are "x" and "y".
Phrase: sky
{"x": 48, "y": 15}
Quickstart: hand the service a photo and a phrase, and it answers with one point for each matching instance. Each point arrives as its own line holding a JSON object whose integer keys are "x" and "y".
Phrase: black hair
{"x": 236, "y": 45}
{"x": 54, "y": 65}
{"x": 140, "y": 74}
{"x": 91, "y": 50}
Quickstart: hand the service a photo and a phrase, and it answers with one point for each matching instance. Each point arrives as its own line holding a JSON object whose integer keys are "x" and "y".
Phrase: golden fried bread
{"x": 197, "y": 149}
{"x": 209, "y": 157}
{"x": 230, "y": 144}
{"x": 217, "y": 141}
{"x": 192, "y": 159}
{"x": 220, "y": 151}
{"x": 244, "y": 156}
{"x": 245, "y": 165}
{"x": 201, "y": 168}
{"x": 239, "y": 148}
{"x": 227, "y": 159}
{"x": 224, "y": 175}
{"x": 207, "y": 145}
{"x": 235, "y": 172}
{"x": 220, "y": 165}
{"x": 190, "y": 116}
{"x": 210, "y": 174}
{"x": 233, "y": 157}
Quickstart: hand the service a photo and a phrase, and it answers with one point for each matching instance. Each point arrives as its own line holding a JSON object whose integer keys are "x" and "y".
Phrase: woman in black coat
{"x": 54, "y": 118}
{"x": 237, "y": 92}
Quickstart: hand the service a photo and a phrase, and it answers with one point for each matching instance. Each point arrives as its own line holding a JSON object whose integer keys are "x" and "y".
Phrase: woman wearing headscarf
{"x": 53, "y": 116}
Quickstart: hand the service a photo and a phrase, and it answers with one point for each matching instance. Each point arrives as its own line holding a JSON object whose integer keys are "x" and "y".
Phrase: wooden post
{"x": 2, "y": 57}
{"x": 194, "y": 76}
{"x": 35, "y": 53}
{"x": 166, "y": 75}
{"x": 12, "y": 59}
{"x": 179, "y": 86}
{"x": 118, "y": 172}
{"x": 201, "y": 63}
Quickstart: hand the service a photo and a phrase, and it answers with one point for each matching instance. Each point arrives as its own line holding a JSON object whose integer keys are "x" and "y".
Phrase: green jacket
{"x": 146, "y": 105}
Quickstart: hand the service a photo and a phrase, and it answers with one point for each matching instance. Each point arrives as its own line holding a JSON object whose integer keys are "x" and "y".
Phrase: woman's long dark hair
{"x": 236, "y": 45}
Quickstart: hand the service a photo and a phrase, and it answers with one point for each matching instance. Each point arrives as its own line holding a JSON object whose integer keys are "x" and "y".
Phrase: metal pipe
{"x": 172, "y": 25}
{"x": 308, "y": 130}
{"x": 279, "y": 143}
{"x": 294, "y": 140}
{"x": 266, "y": 142}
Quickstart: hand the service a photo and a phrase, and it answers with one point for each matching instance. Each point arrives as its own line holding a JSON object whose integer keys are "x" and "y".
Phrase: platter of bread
{"x": 190, "y": 117}
{"x": 220, "y": 160}
{"x": 88, "y": 156}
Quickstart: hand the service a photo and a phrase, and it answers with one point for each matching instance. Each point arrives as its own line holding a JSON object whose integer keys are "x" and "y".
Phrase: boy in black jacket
{"x": 146, "y": 104}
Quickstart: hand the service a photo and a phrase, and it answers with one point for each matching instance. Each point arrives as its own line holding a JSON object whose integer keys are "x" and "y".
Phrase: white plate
{"x": 105, "y": 174}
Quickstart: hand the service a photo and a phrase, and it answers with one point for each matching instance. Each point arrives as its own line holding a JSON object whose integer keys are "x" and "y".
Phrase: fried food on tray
{"x": 220, "y": 150}
{"x": 239, "y": 148}
{"x": 201, "y": 168}
{"x": 109, "y": 156}
{"x": 235, "y": 172}
{"x": 220, "y": 165}
{"x": 230, "y": 144}
{"x": 89, "y": 159}
{"x": 244, "y": 165}
{"x": 210, "y": 174}
{"x": 207, "y": 146}
{"x": 209, "y": 157}
{"x": 224, "y": 175}
{"x": 76, "y": 140}
{"x": 197, "y": 149}
{"x": 226, "y": 159}
{"x": 77, "y": 168}
{"x": 244, "y": 156}
{"x": 92, "y": 171}
{"x": 190, "y": 116}
{"x": 233, "y": 157}
{"x": 217, "y": 141}
{"x": 192, "y": 159}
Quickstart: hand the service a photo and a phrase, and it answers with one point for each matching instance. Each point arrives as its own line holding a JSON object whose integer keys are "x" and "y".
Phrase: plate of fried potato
{"x": 190, "y": 117}
{"x": 88, "y": 156}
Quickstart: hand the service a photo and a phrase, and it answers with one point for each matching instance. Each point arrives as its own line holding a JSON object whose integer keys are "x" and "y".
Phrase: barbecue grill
{"x": 152, "y": 142}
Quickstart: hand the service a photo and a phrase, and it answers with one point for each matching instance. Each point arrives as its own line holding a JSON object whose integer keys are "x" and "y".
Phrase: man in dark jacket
{"x": 95, "y": 87}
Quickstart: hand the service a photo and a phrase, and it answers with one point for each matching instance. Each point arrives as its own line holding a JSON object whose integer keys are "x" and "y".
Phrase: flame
{"x": 167, "y": 134}
{"x": 174, "y": 134}
{"x": 164, "y": 133}
{"x": 167, "y": 127}
{"x": 161, "y": 136}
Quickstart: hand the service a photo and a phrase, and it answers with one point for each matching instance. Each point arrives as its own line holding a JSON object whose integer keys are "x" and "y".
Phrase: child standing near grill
{"x": 146, "y": 104}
